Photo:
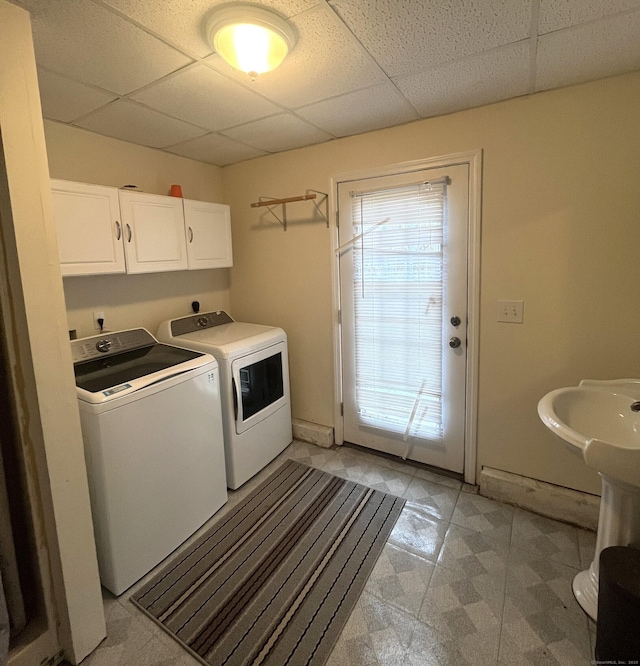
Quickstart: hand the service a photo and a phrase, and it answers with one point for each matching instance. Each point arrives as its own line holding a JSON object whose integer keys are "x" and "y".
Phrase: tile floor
{"x": 462, "y": 580}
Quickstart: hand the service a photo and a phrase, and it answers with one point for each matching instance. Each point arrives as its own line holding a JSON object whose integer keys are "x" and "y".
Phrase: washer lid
{"x": 110, "y": 365}
{"x": 103, "y": 374}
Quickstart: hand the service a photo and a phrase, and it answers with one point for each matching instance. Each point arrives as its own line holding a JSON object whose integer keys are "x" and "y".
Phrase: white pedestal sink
{"x": 600, "y": 420}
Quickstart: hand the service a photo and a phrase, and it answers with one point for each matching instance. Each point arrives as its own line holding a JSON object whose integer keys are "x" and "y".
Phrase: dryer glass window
{"x": 261, "y": 385}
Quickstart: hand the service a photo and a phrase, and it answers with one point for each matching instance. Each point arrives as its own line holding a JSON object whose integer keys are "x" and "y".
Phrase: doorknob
{"x": 455, "y": 343}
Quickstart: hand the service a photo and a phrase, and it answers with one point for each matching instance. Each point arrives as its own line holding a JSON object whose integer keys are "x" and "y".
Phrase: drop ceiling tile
{"x": 481, "y": 79}
{"x": 85, "y": 41}
{"x": 360, "y": 111}
{"x": 65, "y": 100}
{"x": 325, "y": 62}
{"x": 282, "y": 132}
{"x": 202, "y": 96}
{"x": 132, "y": 122}
{"x": 429, "y": 33}
{"x": 559, "y": 14}
{"x": 588, "y": 52}
{"x": 215, "y": 149}
{"x": 182, "y": 22}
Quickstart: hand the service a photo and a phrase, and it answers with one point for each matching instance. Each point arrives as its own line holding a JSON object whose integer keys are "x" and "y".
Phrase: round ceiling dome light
{"x": 250, "y": 38}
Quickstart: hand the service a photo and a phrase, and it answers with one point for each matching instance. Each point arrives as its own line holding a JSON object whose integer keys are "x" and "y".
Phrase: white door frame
{"x": 474, "y": 160}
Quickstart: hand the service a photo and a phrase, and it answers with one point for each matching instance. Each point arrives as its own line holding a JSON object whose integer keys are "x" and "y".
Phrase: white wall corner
{"x": 565, "y": 504}
{"x": 44, "y": 368}
{"x": 313, "y": 433}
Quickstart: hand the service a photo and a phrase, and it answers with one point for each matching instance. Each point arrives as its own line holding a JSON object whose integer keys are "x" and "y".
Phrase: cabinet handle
{"x": 118, "y": 230}
{"x": 128, "y": 233}
{"x": 190, "y": 235}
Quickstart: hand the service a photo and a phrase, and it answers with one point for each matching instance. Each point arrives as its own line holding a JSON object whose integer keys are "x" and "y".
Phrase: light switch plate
{"x": 510, "y": 311}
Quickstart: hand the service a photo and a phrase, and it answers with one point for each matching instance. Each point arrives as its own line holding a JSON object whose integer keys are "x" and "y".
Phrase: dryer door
{"x": 260, "y": 385}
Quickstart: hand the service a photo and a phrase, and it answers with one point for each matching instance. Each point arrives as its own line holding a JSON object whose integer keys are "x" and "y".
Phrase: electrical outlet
{"x": 98, "y": 315}
{"x": 510, "y": 311}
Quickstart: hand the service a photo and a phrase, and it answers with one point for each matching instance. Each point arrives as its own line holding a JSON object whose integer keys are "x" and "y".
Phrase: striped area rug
{"x": 275, "y": 579}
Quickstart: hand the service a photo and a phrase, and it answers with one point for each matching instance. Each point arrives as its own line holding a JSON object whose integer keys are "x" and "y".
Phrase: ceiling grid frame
{"x": 331, "y": 85}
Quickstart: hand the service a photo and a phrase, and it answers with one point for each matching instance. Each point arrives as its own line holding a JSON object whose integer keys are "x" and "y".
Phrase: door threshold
{"x": 412, "y": 463}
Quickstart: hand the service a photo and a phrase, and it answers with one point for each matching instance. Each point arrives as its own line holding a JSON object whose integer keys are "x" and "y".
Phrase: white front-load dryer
{"x": 254, "y": 379}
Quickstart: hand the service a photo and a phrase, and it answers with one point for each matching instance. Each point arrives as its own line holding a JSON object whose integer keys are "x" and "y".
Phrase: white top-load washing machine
{"x": 152, "y": 430}
{"x": 254, "y": 374}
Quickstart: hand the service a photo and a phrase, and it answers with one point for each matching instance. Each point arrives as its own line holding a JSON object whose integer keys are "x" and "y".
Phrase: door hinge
{"x": 339, "y": 316}
{"x": 342, "y": 409}
{"x": 337, "y": 218}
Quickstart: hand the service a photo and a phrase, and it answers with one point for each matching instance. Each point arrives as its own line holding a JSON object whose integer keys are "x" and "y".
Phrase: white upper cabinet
{"x": 106, "y": 230}
{"x": 89, "y": 228}
{"x": 208, "y": 232}
{"x": 154, "y": 236}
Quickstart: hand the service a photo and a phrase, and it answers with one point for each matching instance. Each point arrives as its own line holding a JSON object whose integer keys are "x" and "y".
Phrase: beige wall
{"x": 134, "y": 300}
{"x": 130, "y": 301}
{"x": 560, "y": 224}
{"x": 75, "y": 154}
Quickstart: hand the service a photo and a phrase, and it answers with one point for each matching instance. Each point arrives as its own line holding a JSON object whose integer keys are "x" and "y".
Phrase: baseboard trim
{"x": 569, "y": 506}
{"x": 313, "y": 433}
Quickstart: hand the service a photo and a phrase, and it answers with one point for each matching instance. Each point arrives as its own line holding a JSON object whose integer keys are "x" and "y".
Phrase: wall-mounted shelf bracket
{"x": 309, "y": 195}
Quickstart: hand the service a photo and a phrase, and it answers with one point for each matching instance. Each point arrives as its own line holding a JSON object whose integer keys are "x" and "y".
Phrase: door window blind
{"x": 398, "y": 301}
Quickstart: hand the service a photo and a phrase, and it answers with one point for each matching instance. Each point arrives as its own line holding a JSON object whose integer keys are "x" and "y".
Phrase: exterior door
{"x": 403, "y": 299}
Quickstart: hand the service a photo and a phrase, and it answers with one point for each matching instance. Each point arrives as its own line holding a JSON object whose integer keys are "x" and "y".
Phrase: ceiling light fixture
{"x": 250, "y": 38}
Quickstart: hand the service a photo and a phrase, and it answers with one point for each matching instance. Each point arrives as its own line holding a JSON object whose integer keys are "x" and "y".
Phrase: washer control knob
{"x": 103, "y": 345}
{"x": 202, "y": 321}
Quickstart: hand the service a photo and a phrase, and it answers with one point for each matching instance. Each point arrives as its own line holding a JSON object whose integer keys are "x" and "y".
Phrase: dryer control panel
{"x": 198, "y": 322}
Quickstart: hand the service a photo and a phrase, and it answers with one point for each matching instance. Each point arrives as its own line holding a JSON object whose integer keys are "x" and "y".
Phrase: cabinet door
{"x": 153, "y": 228}
{"x": 87, "y": 219}
{"x": 208, "y": 228}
